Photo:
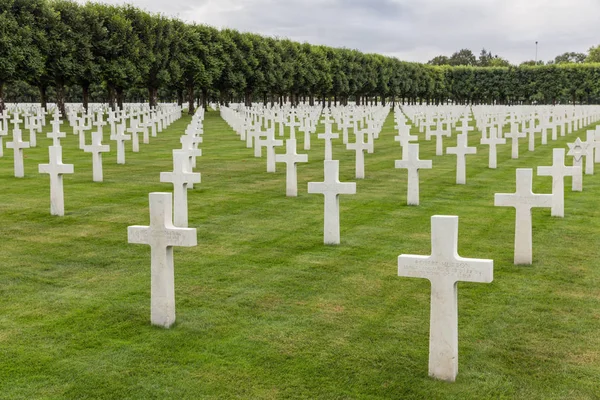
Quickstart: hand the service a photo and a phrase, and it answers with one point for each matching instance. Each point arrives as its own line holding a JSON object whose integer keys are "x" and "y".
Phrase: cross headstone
{"x": 411, "y": 162}
{"x": 558, "y": 171}
{"x": 523, "y": 200}
{"x": 162, "y": 236}
{"x": 270, "y": 143}
{"x": 461, "y": 150}
{"x": 328, "y": 136}
{"x": 97, "y": 148}
{"x": 18, "y": 145}
{"x": 331, "y": 188}
{"x": 404, "y": 137}
{"x": 56, "y": 134}
{"x": 493, "y": 140}
{"x": 134, "y": 130}
{"x": 359, "y": 147}
{"x": 589, "y": 153}
{"x": 531, "y": 131}
{"x": 120, "y": 138}
{"x": 56, "y": 169}
{"x": 291, "y": 158}
{"x": 439, "y": 133}
{"x": 181, "y": 177}
{"x": 578, "y": 150}
{"x": 515, "y": 135}
{"x": 444, "y": 268}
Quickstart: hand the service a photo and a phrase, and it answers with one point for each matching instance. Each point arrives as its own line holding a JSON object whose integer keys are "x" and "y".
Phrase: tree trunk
{"x": 111, "y": 97}
{"x": 152, "y": 100}
{"x": 204, "y": 98}
{"x": 180, "y": 97}
{"x": 85, "y": 89}
{"x": 190, "y": 93}
{"x": 60, "y": 98}
{"x": 120, "y": 96}
{"x": 311, "y": 100}
{"x": 43, "y": 96}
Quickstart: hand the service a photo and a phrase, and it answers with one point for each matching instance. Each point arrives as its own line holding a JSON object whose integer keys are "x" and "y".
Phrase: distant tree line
{"x": 62, "y": 51}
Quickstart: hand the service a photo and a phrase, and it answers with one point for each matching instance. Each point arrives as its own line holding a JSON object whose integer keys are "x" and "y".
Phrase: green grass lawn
{"x": 264, "y": 309}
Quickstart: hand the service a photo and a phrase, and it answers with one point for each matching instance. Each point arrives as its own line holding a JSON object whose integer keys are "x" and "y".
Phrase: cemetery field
{"x": 264, "y": 308}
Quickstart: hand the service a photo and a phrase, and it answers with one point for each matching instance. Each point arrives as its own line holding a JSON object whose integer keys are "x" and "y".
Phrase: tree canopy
{"x": 99, "y": 52}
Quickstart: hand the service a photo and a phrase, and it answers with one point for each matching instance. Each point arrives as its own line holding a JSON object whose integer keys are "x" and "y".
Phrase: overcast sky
{"x": 412, "y": 30}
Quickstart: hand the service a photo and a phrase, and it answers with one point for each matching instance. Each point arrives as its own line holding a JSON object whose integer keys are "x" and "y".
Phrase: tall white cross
{"x": 162, "y": 236}
{"x": 523, "y": 200}
{"x": 134, "y": 129}
{"x": 531, "y": 131}
{"x": 404, "y": 137}
{"x": 444, "y": 268}
{"x": 493, "y": 140}
{"x": 359, "y": 147}
{"x": 331, "y": 188}
{"x": 270, "y": 143}
{"x": 56, "y": 134}
{"x": 55, "y": 168}
{"x": 291, "y": 158}
{"x": 181, "y": 177}
{"x": 461, "y": 150}
{"x": 411, "y": 162}
{"x": 439, "y": 133}
{"x": 578, "y": 150}
{"x": 558, "y": 171}
{"x": 97, "y": 148}
{"x": 328, "y": 136}
{"x": 515, "y": 135}
{"x": 18, "y": 145}
{"x": 120, "y": 138}
{"x": 589, "y": 154}
{"x": 189, "y": 143}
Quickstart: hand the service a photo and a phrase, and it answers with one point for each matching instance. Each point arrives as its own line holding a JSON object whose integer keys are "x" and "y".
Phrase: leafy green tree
{"x": 463, "y": 57}
{"x": 570, "y": 58}
{"x": 593, "y": 55}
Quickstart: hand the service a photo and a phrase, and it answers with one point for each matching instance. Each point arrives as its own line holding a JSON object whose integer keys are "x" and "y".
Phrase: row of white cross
{"x": 169, "y": 225}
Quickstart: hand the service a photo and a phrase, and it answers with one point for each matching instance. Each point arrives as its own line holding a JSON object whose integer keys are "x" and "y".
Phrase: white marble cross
{"x": 411, "y": 162}
{"x": 189, "y": 143}
{"x": 120, "y": 138}
{"x": 461, "y": 150}
{"x": 465, "y": 128}
{"x": 328, "y": 136}
{"x": 578, "y": 150}
{"x": 523, "y": 200}
{"x": 444, "y": 268}
{"x": 305, "y": 128}
{"x": 56, "y": 134}
{"x": 181, "y": 177}
{"x": 162, "y": 236}
{"x": 404, "y": 137}
{"x": 531, "y": 131}
{"x": 55, "y": 168}
{"x": 439, "y": 133}
{"x": 359, "y": 147}
{"x": 270, "y": 143}
{"x": 331, "y": 188}
{"x": 134, "y": 130}
{"x": 18, "y": 145}
{"x": 515, "y": 135}
{"x": 291, "y": 158}
{"x": 558, "y": 171}
{"x": 589, "y": 152}
{"x": 97, "y": 148}
{"x": 493, "y": 140}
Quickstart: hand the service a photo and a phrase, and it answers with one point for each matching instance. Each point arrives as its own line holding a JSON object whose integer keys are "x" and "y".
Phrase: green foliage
{"x": 125, "y": 51}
